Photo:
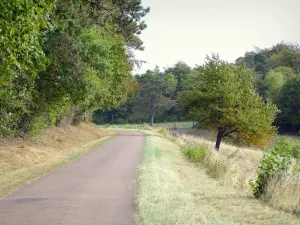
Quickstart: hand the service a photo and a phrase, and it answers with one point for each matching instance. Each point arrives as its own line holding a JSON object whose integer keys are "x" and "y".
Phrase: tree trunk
{"x": 218, "y": 142}
{"x": 151, "y": 120}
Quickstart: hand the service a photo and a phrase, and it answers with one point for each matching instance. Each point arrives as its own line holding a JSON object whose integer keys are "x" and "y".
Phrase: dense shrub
{"x": 277, "y": 161}
{"x": 195, "y": 153}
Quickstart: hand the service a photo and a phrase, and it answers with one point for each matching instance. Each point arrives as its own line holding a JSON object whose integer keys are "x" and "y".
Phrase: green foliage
{"x": 289, "y": 102}
{"x": 180, "y": 71}
{"x": 286, "y": 55}
{"x": 220, "y": 96}
{"x": 169, "y": 85}
{"x": 256, "y": 60}
{"x": 270, "y": 65}
{"x": 280, "y": 159}
{"x": 274, "y": 82}
{"x": 154, "y": 94}
{"x": 62, "y": 71}
{"x": 195, "y": 154}
{"x": 22, "y": 26}
{"x": 37, "y": 125}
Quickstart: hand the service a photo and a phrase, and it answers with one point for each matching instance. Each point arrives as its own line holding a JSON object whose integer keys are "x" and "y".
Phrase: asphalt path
{"x": 98, "y": 189}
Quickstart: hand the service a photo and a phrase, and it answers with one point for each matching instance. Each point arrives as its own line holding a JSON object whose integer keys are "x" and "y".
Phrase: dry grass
{"x": 236, "y": 167}
{"x": 24, "y": 160}
{"x": 284, "y": 193}
{"x": 172, "y": 191}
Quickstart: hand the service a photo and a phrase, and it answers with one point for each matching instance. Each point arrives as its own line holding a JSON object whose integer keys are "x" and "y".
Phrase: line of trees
{"x": 62, "y": 59}
{"x": 155, "y": 99}
{"x": 247, "y": 100}
{"x": 277, "y": 74}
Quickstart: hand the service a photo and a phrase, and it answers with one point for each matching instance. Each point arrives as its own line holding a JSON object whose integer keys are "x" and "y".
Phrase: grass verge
{"x": 22, "y": 161}
{"x": 171, "y": 190}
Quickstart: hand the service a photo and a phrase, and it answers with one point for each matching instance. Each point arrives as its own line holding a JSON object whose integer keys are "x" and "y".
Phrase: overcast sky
{"x": 187, "y": 30}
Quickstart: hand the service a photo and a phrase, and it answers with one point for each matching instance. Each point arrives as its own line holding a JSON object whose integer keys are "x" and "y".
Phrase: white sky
{"x": 187, "y": 30}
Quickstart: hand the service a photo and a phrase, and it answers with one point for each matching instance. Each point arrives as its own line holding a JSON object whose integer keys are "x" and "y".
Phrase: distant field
{"x": 186, "y": 128}
{"x": 169, "y": 125}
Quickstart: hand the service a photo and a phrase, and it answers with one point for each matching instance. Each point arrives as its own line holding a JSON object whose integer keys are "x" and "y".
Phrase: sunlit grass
{"x": 171, "y": 190}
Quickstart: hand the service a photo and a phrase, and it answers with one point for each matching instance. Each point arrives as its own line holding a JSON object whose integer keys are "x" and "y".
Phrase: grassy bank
{"x": 171, "y": 190}
{"x": 22, "y": 160}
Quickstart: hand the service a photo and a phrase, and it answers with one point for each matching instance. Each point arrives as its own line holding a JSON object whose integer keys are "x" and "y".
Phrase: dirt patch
{"x": 22, "y": 160}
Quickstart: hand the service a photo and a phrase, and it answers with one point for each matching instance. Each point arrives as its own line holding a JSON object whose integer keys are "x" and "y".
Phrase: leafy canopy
{"x": 154, "y": 95}
{"x": 221, "y": 96}
{"x": 289, "y": 103}
{"x": 62, "y": 59}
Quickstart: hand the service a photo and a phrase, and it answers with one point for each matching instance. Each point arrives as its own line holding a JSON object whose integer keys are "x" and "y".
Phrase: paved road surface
{"x": 98, "y": 189}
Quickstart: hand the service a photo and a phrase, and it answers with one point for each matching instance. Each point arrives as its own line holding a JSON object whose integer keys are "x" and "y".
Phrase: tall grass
{"x": 283, "y": 192}
{"x": 237, "y": 167}
{"x": 173, "y": 191}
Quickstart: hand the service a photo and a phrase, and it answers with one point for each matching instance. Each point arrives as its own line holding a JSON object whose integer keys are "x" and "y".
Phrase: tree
{"x": 285, "y": 55}
{"x": 23, "y": 24}
{"x": 256, "y": 60}
{"x": 154, "y": 94}
{"x": 289, "y": 104}
{"x": 126, "y": 16}
{"x": 221, "y": 97}
{"x": 62, "y": 59}
{"x": 273, "y": 82}
{"x": 180, "y": 71}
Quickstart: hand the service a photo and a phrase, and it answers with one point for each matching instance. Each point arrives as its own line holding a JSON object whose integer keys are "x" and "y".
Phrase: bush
{"x": 280, "y": 159}
{"x": 196, "y": 153}
{"x": 163, "y": 131}
{"x": 37, "y": 126}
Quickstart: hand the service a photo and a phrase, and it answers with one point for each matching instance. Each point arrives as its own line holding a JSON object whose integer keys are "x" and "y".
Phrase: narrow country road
{"x": 98, "y": 189}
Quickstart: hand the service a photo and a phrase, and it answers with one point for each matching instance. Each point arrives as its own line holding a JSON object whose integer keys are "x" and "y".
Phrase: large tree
{"x": 221, "y": 97}
{"x": 155, "y": 93}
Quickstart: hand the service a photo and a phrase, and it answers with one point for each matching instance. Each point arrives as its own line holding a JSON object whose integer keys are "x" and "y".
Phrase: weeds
{"x": 195, "y": 154}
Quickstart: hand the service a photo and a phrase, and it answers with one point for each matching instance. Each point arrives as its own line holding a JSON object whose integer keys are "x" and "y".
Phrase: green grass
{"x": 195, "y": 154}
{"x": 173, "y": 191}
